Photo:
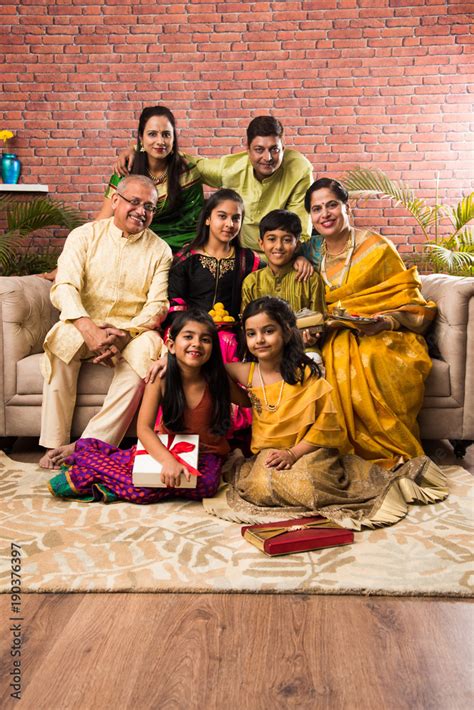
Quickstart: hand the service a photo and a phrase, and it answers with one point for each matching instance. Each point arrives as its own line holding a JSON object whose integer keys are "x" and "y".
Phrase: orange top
{"x": 198, "y": 421}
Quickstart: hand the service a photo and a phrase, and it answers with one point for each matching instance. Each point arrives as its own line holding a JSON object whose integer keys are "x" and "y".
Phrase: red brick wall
{"x": 355, "y": 82}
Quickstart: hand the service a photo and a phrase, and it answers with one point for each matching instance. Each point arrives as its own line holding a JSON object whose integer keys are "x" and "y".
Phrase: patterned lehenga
{"x": 97, "y": 471}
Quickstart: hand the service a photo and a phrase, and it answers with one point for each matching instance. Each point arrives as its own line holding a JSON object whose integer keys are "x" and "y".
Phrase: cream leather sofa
{"x": 26, "y": 315}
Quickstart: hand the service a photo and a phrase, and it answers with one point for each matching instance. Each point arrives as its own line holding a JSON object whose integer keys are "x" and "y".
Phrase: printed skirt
{"x": 97, "y": 471}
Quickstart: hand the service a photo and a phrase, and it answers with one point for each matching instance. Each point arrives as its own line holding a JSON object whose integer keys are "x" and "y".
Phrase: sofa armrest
{"x": 453, "y": 334}
{"x": 26, "y": 315}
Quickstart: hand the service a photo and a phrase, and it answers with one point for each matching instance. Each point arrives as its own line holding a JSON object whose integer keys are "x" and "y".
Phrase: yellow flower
{"x": 5, "y": 135}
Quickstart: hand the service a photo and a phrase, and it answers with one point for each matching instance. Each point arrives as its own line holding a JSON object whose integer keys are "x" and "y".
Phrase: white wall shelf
{"x": 23, "y": 187}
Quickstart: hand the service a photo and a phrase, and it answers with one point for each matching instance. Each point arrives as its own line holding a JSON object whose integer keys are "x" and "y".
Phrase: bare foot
{"x": 60, "y": 454}
{"x": 54, "y": 458}
{"x": 46, "y": 461}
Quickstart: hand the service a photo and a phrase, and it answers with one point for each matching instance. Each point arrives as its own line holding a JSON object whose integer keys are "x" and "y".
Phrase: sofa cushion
{"x": 93, "y": 379}
{"x": 438, "y": 383}
{"x": 28, "y": 376}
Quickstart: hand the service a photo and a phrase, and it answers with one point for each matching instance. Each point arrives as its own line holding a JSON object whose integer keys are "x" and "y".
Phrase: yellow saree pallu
{"x": 378, "y": 379}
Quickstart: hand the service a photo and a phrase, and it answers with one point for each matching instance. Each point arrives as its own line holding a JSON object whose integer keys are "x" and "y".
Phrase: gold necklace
{"x": 270, "y": 407}
{"x": 347, "y": 265}
{"x": 229, "y": 256}
{"x": 158, "y": 179}
{"x": 335, "y": 253}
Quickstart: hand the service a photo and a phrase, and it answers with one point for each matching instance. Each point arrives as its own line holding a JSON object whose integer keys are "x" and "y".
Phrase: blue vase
{"x": 11, "y": 167}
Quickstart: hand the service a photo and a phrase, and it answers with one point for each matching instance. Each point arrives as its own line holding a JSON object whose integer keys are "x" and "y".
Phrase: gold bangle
{"x": 292, "y": 453}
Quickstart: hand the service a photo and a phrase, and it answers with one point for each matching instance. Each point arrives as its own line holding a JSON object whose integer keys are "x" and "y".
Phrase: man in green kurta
{"x": 266, "y": 175}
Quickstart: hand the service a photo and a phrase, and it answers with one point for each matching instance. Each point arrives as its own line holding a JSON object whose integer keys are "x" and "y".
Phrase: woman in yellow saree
{"x": 377, "y": 368}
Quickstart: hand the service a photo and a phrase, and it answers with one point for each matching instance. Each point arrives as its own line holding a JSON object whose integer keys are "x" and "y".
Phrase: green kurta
{"x": 299, "y": 294}
{"x": 285, "y": 189}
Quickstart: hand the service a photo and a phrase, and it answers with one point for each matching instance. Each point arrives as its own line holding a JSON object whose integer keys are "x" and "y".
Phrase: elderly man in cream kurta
{"x": 111, "y": 291}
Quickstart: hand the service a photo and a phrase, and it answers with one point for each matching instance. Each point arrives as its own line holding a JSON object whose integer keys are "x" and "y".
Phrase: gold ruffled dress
{"x": 346, "y": 489}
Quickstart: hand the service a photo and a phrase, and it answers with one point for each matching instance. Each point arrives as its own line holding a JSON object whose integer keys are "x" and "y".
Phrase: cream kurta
{"x": 110, "y": 278}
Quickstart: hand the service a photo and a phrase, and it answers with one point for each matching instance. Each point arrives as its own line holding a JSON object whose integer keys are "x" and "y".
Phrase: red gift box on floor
{"x": 297, "y": 535}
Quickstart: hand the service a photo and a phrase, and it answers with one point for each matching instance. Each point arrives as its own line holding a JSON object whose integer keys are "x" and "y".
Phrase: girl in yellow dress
{"x": 296, "y": 436}
{"x": 292, "y": 408}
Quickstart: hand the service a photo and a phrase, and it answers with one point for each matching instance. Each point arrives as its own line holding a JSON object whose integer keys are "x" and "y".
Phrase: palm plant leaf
{"x": 26, "y": 217}
{"x": 363, "y": 182}
{"x": 460, "y": 241}
{"x": 465, "y": 239}
{"x": 5, "y": 200}
{"x": 462, "y": 213}
{"x": 23, "y": 264}
{"x": 8, "y": 248}
{"x": 451, "y": 260}
{"x": 8, "y": 242}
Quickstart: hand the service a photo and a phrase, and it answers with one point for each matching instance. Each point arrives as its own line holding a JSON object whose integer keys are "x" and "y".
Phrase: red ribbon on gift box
{"x": 181, "y": 447}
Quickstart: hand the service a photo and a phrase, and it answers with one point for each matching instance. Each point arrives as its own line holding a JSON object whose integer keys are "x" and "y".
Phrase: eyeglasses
{"x": 135, "y": 202}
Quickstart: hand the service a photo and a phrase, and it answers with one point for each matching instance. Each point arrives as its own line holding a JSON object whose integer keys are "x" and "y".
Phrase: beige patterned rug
{"x": 177, "y": 547}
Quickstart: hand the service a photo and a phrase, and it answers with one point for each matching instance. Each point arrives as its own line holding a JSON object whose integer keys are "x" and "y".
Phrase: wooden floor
{"x": 242, "y": 651}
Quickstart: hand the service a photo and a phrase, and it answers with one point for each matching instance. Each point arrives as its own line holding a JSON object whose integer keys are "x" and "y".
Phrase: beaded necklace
{"x": 270, "y": 407}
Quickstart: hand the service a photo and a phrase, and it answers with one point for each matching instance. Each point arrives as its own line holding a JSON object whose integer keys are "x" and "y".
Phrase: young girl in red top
{"x": 193, "y": 398}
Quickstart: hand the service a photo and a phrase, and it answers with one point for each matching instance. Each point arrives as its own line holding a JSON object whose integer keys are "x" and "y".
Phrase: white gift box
{"x": 147, "y": 471}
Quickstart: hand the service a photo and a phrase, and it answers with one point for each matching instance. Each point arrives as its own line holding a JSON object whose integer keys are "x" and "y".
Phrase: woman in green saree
{"x": 178, "y": 183}
{"x": 179, "y": 186}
